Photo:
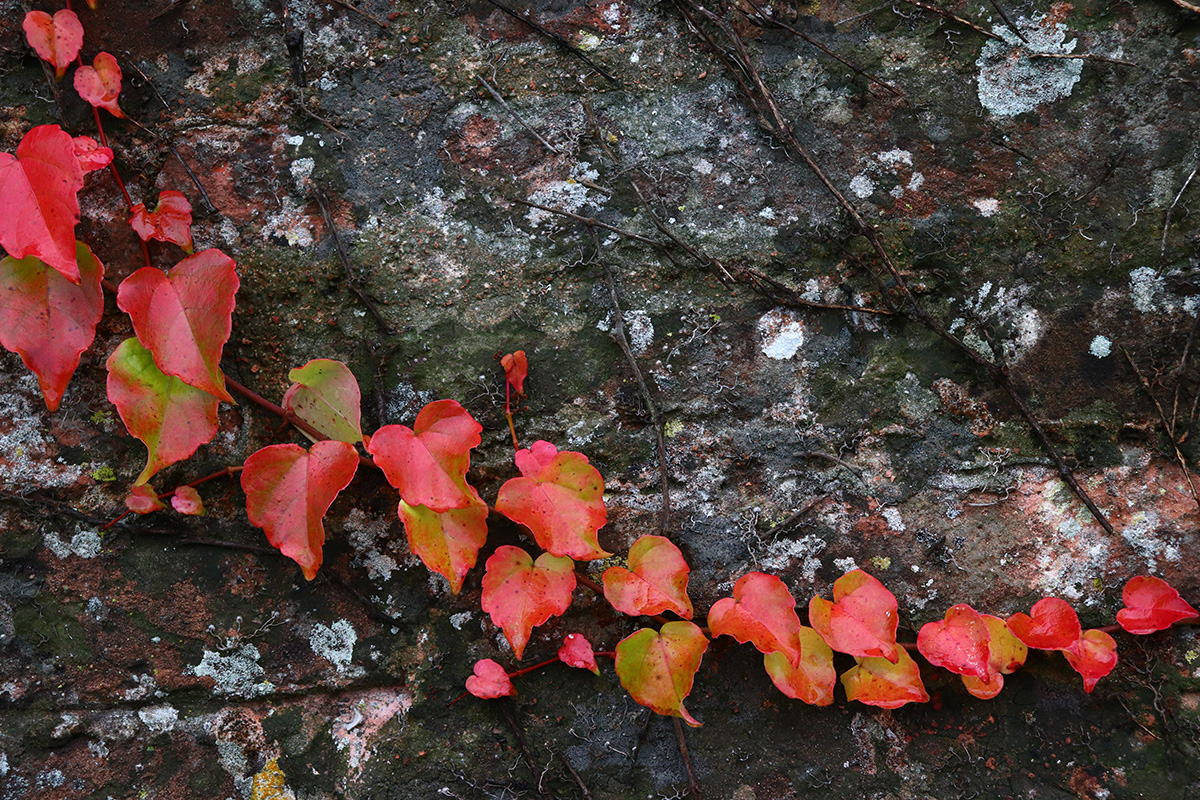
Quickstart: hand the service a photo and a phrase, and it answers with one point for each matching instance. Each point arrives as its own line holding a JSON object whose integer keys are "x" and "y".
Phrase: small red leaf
{"x": 959, "y": 643}
{"x": 447, "y": 542}
{"x": 861, "y": 620}
{"x": 520, "y": 593}
{"x": 186, "y": 500}
{"x": 288, "y": 490}
{"x": 516, "y": 369}
{"x": 1006, "y": 654}
{"x": 143, "y": 499}
{"x": 171, "y": 418}
{"x": 879, "y": 682}
{"x": 658, "y": 668}
{"x": 185, "y": 317}
{"x": 576, "y": 651}
{"x": 656, "y": 580}
{"x": 1053, "y": 625}
{"x": 49, "y": 321}
{"x": 1151, "y": 604}
{"x": 56, "y": 39}
{"x": 324, "y": 393}
{"x": 91, "y": 156}
{"x": 762, "y": 611}
{"x": 1093, "y": 656}
{"x": 560, "y": 498}
{"x": 170, "y": 221}
{"x": 813, "y": 679}
{"x": 428, "y": 462}
{"x": 490, "y": 680}
{"x": 38, "y": 192}
{"x": 100, "y": 84}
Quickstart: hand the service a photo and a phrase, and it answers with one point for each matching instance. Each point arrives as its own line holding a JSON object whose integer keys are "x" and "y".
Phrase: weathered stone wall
{"x": 1041, "y": 203}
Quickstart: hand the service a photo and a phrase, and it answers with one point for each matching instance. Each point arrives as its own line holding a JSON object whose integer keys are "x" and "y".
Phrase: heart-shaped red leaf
{"x": 49, "y": 321}
{"x": 324, "y": 393}
{"x": 861, "y": 620}
{"x": 90, "y": 155}
{"x": 171, "y": 418}
{"x": 880, "y": 682}
{"x": 55, "y": 39}
{"x": 447, "y": 542}
{"x": 520, "y": 593}
{"x": 656, "y": 580}
{"x": 186, "y": 500}
{"x": 100, "y": 84}
{"x": 143, "y": 499}
{"x": 1054, "y": 625}
{"x": 490, "y": 680}
{"x": 959, "y": 643}
{"x": 576, "y": 651}
{"x": 516, "y": 369}
{"x": 170, "y": 221}
{"x": 185, "y": 317}
{"x": 38, "y": 192}
{"x": 658, "y": 668}
{"x": 813, "y": 679}
{"x": 428, "y": 462}
{"x": 1151, "y": 604}
{"x": 289, "y": 489}
{"x": 1093, "y": 656}
{"x": 1006, "y": 654}
{"x": 560, "y": 498}
{"x": 763, "y": 612}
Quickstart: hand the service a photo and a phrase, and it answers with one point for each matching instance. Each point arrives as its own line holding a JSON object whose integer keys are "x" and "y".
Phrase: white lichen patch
{"x": 785, "y": 553}
{"x": 335, "y": 643}
{"x": 862, "y": 186}
{"x": 1149, "y": 294}
{"x": 782, "y": 334}
{"x": 26, "y": 454}
{"x": 159, "y": 719}
{"x": 893, "y": 519}
{"x": 366, "y": 536}
{"x": 1100, "y": 347}
{"x": 640, "y": 330}
{"x": 85, "y": 544}
{"x": 986, "y": 206}
{"x": 290, "y": 223}
{"x": 1011, "y": 82}
{"x": 896, "y": 157}
{"x": 357, "y": 725}
{"x": 237, "y": 674}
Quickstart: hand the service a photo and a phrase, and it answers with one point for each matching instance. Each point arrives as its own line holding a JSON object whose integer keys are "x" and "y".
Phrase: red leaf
{"x": 516, "y": 369}
{"x": 813, "y": 679}
{"x": 1151, "y": 604}
{"x": 91, "y": 156}
{"x": 656, "y": 580}
{"x": 325, "y": 394}
{"x": 1006, "y": 654}
{"x": 560, "y": 498}
{"x": 428, "y": 463}
{"x": 1053, "y": 626}
{"x": 171, "y": 418}
{"x": 658, "y": 668}
{"x": 762, "y": 611}
{"x": 100, "y": 84}
{"x": 448, "y": 542}
{"x": 170, "y": 221}
{"x": 38, "y": 189}
{"x": 56, "y": 39}
{"x": 289, "y": 489}
{"x": 490, "y": 680}
{"x": 879, "y": 682}
{"x": 143, "y": 499}
{"x": 576, "y": 651}
{"x": 49, "y": 321}
{"x": 1093, "y": 656}
{"x": 520, "y": 593}
{"x": 861, "y": 620}
{"x": 959, "y": 643}
{"x": 185, "y": 317}
{"x": 186, "y": 500}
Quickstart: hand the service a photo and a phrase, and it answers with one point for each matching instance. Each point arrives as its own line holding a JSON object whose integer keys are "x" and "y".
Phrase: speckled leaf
{"x": 91, "y": 156}
{"x": 1152, "y": 604}
{"x": 762, "y": 611}
{"x": 658, "y": 668}
{"x": 55, "y": 39}
{"x": 861, "y": 620}
{"x": 813, "y": 679}
{"x": 186, "y": 500}
{"x": 428, "y": 462}
{"x": 170, "y": 221}
{"x": 655, "y": 581}
{"x": 880, "y": 682}
{"x": 520, "y": 593}
{"x": 324, "y": 393}
{"x": 447, "y": 542}
{"x": 100, "y": 84}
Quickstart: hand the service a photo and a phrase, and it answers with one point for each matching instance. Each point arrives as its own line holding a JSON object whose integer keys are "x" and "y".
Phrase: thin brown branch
{"x": 364, "y": 14}
{"x": 504, "y": 103}
{"x": 1168, "y": 428}
{"x": 351, "y": 278}
{"x": 941, "y": 12}
{"x": 693, "y": 784}
{"x": 589, "y": 221}
{"x": 792, "y": 297}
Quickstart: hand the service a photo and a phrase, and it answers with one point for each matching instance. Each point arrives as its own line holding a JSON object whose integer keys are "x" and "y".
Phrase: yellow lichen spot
{"x": 881, "y": 562}
{"x": 673, "y": 428}
{"x": 1191, "y": 656}
{"x": 270, "y": 784}
{"x": 105, "y": 474}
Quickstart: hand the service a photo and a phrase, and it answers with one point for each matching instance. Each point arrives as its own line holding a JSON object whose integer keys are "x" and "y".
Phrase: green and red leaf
{"x": 959, "y": 643}
{"x": 55, "y": 39}
{"x": 880, "y": 682}
{"x": 861, "y": 620}
{"x": 447, "y": 542}
{"x": 428, "y": 463}
{"x": 490, "y": 680}
{"x": 520, "y": 593}
{"x": 49, "y": 321}
{"x": 560, "y": 498}
{"x": 576, "y": 651}
{"x": 143, "y": 499}
{"x": 813, "y": 679}
{"x": 1093, "y": 656}
{"x": 1151, "y": 604}
{"x": 170, "y": 221}
{"x": 171, "y": 418}
{"x": 289, "y": 489}
{"x": 1006, "y": 655}
{"x": 655, "y": 581}
{"x": 324, "y": 393}
{"x": 100, "y": 84}
{"x": 38, "y": 192}
{"x": 658, "y": 668}
{"x": 763, "y": 612}
{"x": 1051, "y": 625}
